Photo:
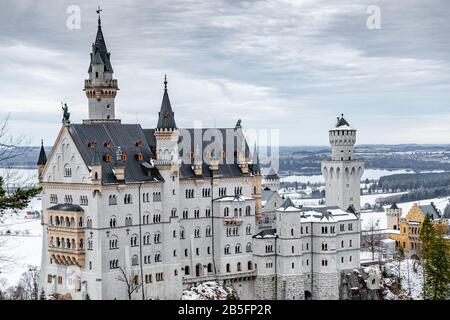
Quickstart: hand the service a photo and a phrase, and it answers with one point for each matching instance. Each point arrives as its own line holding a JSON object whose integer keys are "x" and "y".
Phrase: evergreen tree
{"x": 17, "y": 200}
{"x": 437, "y": 269}
{"x": 426, "y": 235}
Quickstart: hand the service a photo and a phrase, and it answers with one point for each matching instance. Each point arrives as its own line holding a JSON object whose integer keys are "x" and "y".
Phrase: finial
{"x": 165, "y": 82}
{"x": 342, "y": 115}
{"x": 42, "y": 142}
{"x": 98, "y": 12}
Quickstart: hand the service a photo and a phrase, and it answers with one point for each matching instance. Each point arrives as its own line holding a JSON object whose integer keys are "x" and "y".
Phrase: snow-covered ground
{"x": 207, "y": 291}
{"x": 411, "y": 279}
{"x": 20, "y": 243}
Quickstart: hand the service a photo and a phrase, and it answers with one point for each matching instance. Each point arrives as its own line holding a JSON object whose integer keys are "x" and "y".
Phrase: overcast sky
{"x": 288, "y": 65}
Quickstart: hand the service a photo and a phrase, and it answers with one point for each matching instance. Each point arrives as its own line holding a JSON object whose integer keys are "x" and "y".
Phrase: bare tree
{"x": 131, "y": 280}
{"x": 30, "y": 283}
{"x": 11, "y": 146}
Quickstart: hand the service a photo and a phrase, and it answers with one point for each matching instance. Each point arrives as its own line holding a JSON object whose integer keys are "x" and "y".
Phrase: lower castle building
{"x": 130, "y": 212}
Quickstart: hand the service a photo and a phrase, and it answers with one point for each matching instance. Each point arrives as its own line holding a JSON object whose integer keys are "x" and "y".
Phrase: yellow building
{"x": 410, "y": 225}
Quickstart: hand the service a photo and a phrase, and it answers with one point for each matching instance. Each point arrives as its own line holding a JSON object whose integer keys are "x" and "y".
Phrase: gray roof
{"x": 125, "y": 136}
{"x": 394, "y": 206}
{"x": 42, "y": 156}
{"x": 430, "y": 210}
{"x": 224, "y": 170}
{"x": 166, "y": 118}
{"x": 288, "y": 203}
{"x": 341, "y": 122}
{"x": 66, "y": 207}
{"x": 266, "y": 232}
{"x": 267, "y": 194}
{"x": 99, "y": 47}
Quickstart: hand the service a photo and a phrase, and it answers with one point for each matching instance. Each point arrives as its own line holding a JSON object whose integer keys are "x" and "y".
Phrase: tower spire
{"x": 166, "y": 118}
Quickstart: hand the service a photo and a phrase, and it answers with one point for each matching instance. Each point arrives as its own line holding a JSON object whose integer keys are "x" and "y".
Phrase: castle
{"x": 139, "y": 213}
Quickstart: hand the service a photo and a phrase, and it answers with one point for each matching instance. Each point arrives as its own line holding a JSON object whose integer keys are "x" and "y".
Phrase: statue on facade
{"x": 66, "y": 113}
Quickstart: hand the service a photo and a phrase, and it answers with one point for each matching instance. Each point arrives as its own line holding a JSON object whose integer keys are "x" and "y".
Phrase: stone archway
{"x": 308, "y": 295}
{"x": 199, "y": 272}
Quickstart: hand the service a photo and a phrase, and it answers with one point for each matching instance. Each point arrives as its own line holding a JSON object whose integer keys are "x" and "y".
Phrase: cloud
{"x": 292, "y": 65}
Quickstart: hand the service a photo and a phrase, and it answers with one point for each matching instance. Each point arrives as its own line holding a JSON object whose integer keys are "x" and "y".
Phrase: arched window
{"x": 181, "y": 233}
{"x": 185, "y": 214}
{"x": 249, "y": 265}
{"x": 157, "y": 237}
{"x": 248, "y": 247}
{"x": 158, "y": 257}
{"x": 227, "y": 249}
{"x": 135, "y": 260}
{"x": 113, "y": 242}
{"x": 248, "y": 210}
{"x": 134, "y": 242}
{"x": 226, "y": 212}
{"x": 237, "y": 248}
{"x": 197, "y": 232}
{"x": 235, "y": 212}
{"x": 228, "y": 267}
{"x": 239, "y": 266}
{"x": 186, "y": 270}
{"x": 112, "y": 222}
{"x": 248, "y": 229}
{"x": 89, "y": 223}
{"x": 112, "y": 199}
{"x": 209, "y": 267}
{"x": 146, "y": 238}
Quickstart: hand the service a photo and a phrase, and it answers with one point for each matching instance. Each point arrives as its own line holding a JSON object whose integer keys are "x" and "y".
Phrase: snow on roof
{"x": 233, "y": 198}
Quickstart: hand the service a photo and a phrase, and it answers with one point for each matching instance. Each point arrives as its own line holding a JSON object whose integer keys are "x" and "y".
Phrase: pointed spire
{"x": 256, "y": 167}
{"x": 166, "y": 118}
{"x": 42, "y": 155}
{"x": 99, "y": 46}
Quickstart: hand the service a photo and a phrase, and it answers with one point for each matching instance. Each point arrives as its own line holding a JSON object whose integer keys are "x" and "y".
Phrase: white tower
{"x": 343, "y": 173}
{"x": 393, "y": 214}
{"x": 100, "y": 88}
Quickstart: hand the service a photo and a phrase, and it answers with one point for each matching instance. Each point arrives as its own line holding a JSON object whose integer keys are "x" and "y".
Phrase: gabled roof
{"x": 117, "y": 135}
{"x": 288, "y": 204}
{"x": 430, "y": 210}
{"x": 42, "y": 156}
{"x": 166, "y": 117}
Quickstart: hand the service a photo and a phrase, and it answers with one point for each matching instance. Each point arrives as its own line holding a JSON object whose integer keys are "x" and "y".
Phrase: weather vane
{"x": 98, "y": 12}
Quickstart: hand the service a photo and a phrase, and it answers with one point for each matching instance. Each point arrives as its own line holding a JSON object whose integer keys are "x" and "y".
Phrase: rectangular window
{"x": 59, "y": 279}
{"x": 49, "y": 278}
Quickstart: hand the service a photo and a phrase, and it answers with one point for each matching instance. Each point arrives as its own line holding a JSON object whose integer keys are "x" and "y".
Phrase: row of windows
{"x": 60, "y": 221}
{"x": 237, "y": 211}
{"x": 206, "y": 192}
{"x": 189, "y": 193}
{"x": 159, "y": 277}
{"x": 237, "y": 248}
{"x": 196, "y": 213}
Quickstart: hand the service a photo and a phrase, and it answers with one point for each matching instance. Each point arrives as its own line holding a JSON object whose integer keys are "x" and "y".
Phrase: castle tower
{"x": 100, "y": 88}
{"x": 41, "y": 162}
{"x": 257, "y": 182}
{"x": 343, "y": 173}
{"x": 168, "y": 163}
{"x": 272, "y": 180}
{"x": 394, "y": 213}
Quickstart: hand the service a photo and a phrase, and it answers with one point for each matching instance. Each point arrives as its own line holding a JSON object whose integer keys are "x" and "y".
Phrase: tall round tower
{"x": 343, "y": 173}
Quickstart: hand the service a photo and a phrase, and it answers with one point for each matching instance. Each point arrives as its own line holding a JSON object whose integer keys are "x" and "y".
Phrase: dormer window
{"x": 123, "y": 156}
{"x": 107, "y": 157}
{"x": 107, "y": 144}
{"x": 140, "y": 156}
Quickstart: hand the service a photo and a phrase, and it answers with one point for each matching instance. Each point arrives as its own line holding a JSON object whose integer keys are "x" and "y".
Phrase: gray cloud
{"x": 292, "y": 65}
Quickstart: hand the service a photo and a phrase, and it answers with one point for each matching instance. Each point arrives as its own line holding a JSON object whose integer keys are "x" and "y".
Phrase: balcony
{"x": 232, "y": 221}
{"x": 218, "y": 277}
